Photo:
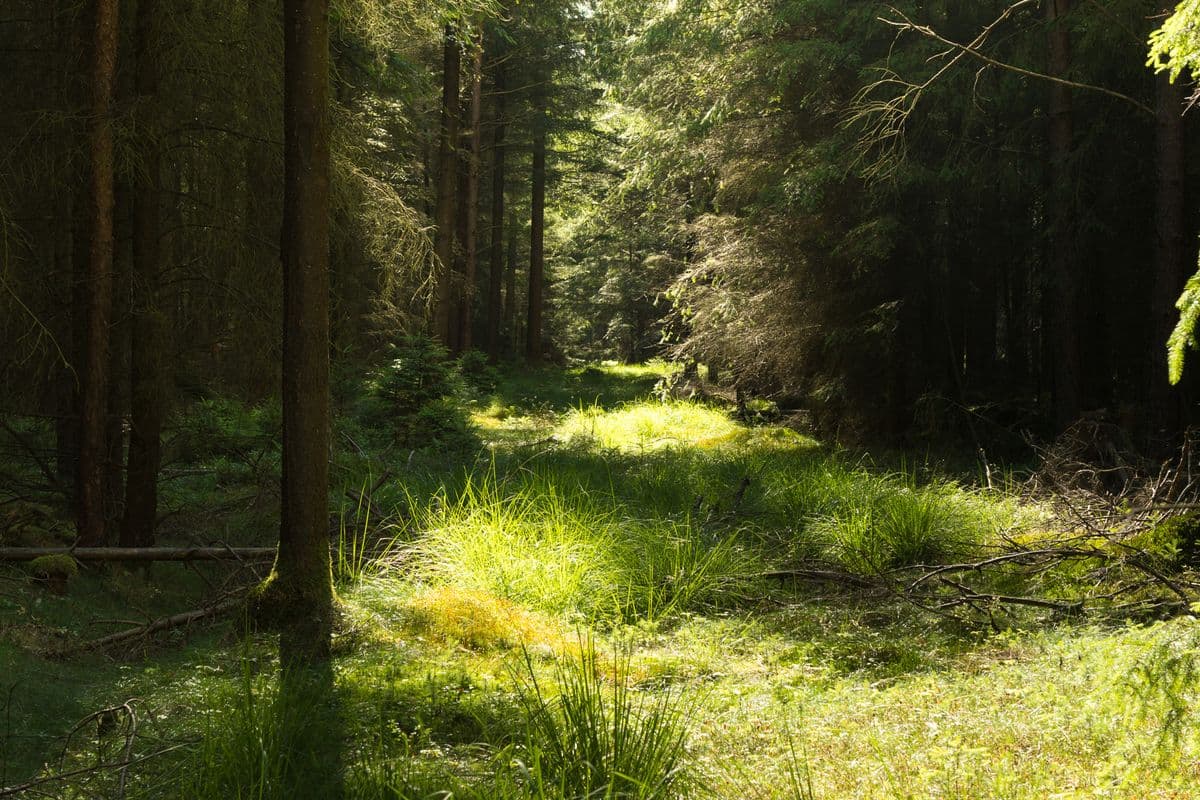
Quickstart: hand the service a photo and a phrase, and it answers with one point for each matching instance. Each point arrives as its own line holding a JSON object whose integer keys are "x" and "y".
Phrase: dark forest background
{"x": 958, "y": 222}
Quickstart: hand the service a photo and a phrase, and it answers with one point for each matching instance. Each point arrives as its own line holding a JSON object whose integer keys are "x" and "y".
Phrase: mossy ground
{"x": 596, "y": 513}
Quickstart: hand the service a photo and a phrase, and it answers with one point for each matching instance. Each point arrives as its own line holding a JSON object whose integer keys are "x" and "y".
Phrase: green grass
{"x": 580, "y": 607}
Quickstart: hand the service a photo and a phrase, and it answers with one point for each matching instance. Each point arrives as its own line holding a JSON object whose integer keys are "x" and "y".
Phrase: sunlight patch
{"x": 477, "y": 619}
{"x": 648, "y": 425}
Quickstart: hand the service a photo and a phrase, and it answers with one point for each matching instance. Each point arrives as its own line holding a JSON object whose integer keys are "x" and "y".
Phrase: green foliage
{"x": 1183, "y": 336}
{"x": 416, "y": 394}
{"x": 476, "y": 371}
{"x": 266, "y": 741}
{"x": 1175, "y": 47}
{"x": 420, "y": 371}
{"x": 226, "y": 427}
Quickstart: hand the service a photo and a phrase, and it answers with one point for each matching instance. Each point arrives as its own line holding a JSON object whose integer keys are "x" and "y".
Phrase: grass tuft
{"x": 594, "y": 739}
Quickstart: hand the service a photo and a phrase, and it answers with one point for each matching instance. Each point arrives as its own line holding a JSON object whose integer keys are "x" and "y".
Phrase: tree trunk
{"x": 148, "y": 363}
{"x": 100, "y": 278}
{"x": 69, "y": 247}
{"x": 510, "y": 283}
{"x": 303, "y": 580}
{"x": 1062, "y": 311}
{"x": 1170, "y": 247}
{"x": 444, "y": 218}
{"x": 471, "y": 224}
{"x": 496, "y": 260}
{"x": 537, "y": 229}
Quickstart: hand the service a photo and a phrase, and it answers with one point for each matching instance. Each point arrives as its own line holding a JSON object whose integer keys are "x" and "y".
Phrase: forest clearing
{"x": 601, "y": 535}
{"x": 599, "y": 399}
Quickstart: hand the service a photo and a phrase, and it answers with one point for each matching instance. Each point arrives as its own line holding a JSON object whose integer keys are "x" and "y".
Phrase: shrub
{"x": 419, "y": 373}
{"x": 476, "y": 370}
{"x": 415, "y": 392}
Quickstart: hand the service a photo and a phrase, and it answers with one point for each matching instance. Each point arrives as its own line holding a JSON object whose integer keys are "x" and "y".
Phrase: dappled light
{"x": 599, "y": 400}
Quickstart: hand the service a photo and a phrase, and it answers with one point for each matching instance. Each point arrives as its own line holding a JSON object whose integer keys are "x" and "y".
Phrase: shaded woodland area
{"x": 354, "y": 342}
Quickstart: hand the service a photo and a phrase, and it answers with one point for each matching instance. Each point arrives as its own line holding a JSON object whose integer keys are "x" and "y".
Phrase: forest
{"x": 599, "y": 399}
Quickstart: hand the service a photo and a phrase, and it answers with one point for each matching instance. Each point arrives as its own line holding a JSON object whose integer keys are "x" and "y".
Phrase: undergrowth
{"x": 587, "y": 602}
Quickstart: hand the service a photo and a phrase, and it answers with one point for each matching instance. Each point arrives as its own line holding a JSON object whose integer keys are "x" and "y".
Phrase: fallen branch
{"x": 139, "y": 553}
{"x": 9, "y": 791}
{"x": 150, "y": 628}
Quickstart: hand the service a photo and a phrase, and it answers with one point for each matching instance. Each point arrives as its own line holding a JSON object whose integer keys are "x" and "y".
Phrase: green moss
{"x": 62, "y": 566}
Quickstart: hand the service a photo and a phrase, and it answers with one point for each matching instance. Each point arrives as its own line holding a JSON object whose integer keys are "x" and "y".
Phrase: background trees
{"x": 897, "y": 235}
{"x": 723, "y": 181}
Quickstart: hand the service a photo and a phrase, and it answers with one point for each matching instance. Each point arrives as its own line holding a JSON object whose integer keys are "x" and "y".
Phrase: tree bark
{"x": 148, "y": 392}
{"x": 94, "y": 400}
{"x": 537, "y": 229}
{"x": 466, "y": 302}
{"x": 510, "y": 284}
{"x": 1062, "y": 311}
{"x": 1170, "y": 247}
{"x": 444, "y": 218}
{"x": 302, "y": 571}
{"x": 496, "y": 260}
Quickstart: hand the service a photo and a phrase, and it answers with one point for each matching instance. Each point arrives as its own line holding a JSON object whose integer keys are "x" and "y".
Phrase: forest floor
{"x": 598, "y": 542}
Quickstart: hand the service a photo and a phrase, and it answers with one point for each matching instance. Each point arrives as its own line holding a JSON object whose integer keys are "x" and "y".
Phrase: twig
{"x": 9, "y": 791}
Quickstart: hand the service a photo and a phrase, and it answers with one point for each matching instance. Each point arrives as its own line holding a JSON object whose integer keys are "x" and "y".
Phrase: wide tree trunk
{"x": 466, "y": 301}
{"x": 1062, "y": 309}
{"x": 496, "y": 260}
{"x": 537, "y": 229}
{"x": 148, "y": 363}
{"x": 303, "y": 583}
{"x": 94, "y": 401}
{"x": 1170, "y": 248}
{"x": 444, "y": 217}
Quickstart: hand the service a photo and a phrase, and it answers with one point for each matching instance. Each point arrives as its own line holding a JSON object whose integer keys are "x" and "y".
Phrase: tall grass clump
{"x": 365, "y": 543}
{"x": 567, "y": 549}
{"x": 532, "y": 544}
{"x": 265, "y": 742}
{"x": 598, "y": 739}
{"x": 884, "y": 522}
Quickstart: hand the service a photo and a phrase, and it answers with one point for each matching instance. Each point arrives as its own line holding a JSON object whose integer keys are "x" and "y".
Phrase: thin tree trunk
{"x": 68, "y": 248}
{"x": 510, "y": 283}
{"x": 471, "y": 223}
{"x": 147, "y": 401}
{"x": 304, "y": 588}
{"x": 537, "y": 229}
{"x": 1062, "y": 310}
{"x": 100, "y": 278}
{"x": 496, "y": 261}
{"x": 1170, "y": 247}
{"x": 444, "y": 218}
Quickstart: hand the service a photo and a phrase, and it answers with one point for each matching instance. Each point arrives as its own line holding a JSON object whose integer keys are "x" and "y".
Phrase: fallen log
{"x": 140, "y": 553}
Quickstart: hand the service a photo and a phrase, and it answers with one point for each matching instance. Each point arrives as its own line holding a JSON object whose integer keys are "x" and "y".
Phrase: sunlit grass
{"x": 477, "y": 620}
{"x": 1038, "y": 717}
{"x": 568, "y": 551}
{"x": 647, "y": 425}
{"x": 647, "y": 527}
